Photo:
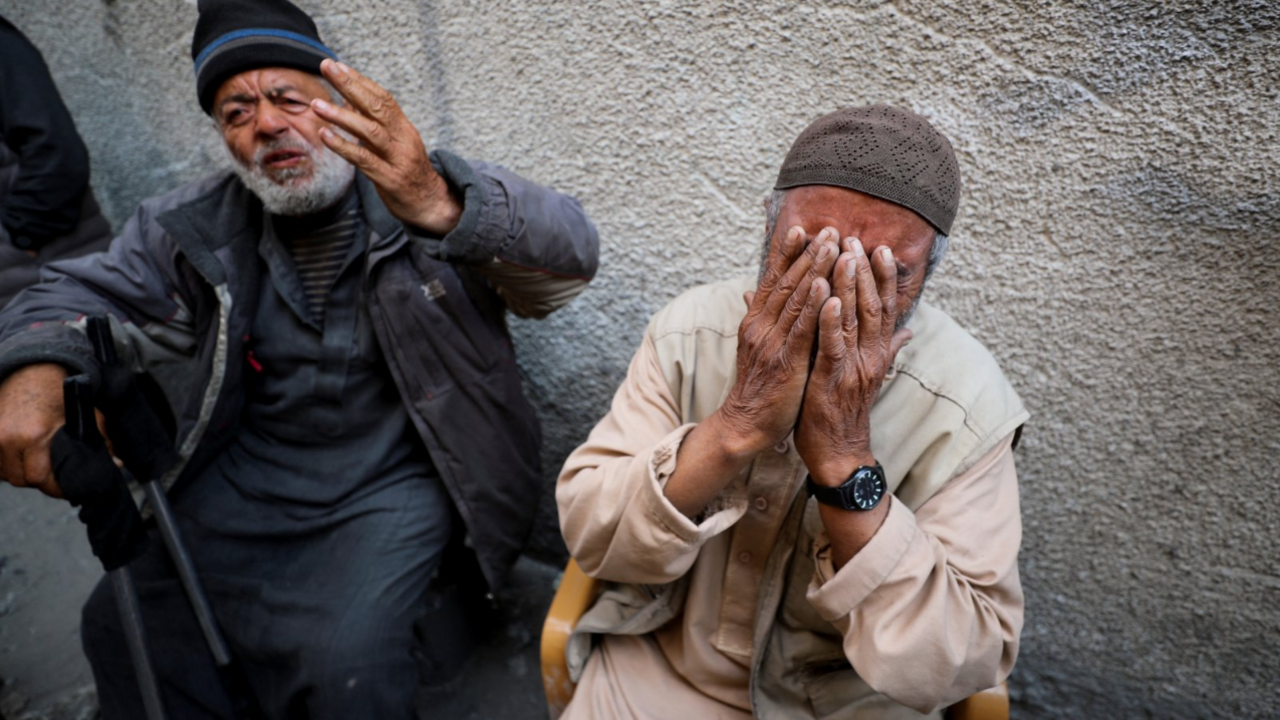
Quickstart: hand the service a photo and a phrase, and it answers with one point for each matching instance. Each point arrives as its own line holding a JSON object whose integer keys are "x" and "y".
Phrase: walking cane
{"x": 141, "y": 442}
{"x": 88, "y": 478}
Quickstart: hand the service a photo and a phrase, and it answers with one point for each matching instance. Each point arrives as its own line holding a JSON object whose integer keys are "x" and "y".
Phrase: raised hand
{"x": 775, "y": 339}
{"x": 857, "y": 344}
{"x": 389, "y": 151}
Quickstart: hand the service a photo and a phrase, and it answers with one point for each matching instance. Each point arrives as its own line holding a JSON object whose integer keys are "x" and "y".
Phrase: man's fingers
{"x": 814, "y": 264}
{"x": 26, "y": 461}
{"x": 354, "y": 153}
{"x": 868, "y": 301}
{"x": 885, "y": 270}
{"x": 11, "y": 467}
{"x": 831, "y": 344}
{"x": 106, "y": 439}
{"x": 800, "y": 336}
{"x": 101, "y": 420}
{"x": 798, "y": 275}
{"x": 372, "y": 134}
{"x": 365, "y": 95}
{"x": 36, "y": 466}
{"x": 781, "y": 256}
{"x": 771, "y": 301}
{"x": 844, "y": 285}
{"x": 39, "y": 471}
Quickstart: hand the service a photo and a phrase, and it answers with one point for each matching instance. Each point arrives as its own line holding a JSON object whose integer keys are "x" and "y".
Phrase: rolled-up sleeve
{"x": 536, "y": 246}
{"x": 932, "y": 607}
{"x": 616, "y": 520}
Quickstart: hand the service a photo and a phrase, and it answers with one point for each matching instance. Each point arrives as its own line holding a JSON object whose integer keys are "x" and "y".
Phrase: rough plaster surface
{"x": 46, "y": 571}
{"x": 1116, "y": 249}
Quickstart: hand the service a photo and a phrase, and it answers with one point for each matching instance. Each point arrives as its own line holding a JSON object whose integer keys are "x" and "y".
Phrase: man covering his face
{"x": 327, "y": 324}
{"x": 803, "y": 496}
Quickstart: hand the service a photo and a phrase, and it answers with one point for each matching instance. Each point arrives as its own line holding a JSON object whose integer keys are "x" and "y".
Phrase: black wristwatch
{"x": 864, "y": 489}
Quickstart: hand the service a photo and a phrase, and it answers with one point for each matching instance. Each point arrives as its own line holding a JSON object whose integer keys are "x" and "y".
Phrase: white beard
{"x": 293, "y": 191}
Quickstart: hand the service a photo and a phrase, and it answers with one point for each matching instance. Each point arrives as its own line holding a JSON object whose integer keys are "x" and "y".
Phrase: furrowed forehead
{"x": 279, "y": 89}
{"x": 816, "y": 206}
{"x": 270, "y": 81}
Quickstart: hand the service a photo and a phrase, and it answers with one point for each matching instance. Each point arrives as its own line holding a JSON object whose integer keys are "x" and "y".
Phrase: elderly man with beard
{"x": 327, "y": 326}
{"x": 801, "y": 515}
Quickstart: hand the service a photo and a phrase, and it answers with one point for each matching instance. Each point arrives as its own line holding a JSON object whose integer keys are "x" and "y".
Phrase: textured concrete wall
{"x": 1116, "y": 249}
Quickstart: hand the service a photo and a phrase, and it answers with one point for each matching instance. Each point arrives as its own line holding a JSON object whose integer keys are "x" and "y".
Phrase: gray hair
{"x": 937, "y": 251}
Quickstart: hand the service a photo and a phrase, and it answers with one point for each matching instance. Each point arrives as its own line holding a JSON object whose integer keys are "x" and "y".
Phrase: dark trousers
{"x": 321, "y": 620}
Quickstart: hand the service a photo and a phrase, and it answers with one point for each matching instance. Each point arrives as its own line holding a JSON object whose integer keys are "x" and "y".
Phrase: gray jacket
{"x": 180, "y": 282}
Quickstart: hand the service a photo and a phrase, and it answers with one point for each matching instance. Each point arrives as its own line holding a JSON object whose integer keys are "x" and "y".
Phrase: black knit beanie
{"x": 237, "y": 35}
{"x": 888, "y": 152}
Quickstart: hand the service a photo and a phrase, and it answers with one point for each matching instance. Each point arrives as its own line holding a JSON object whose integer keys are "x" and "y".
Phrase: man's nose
{"x": 271, "y": 120}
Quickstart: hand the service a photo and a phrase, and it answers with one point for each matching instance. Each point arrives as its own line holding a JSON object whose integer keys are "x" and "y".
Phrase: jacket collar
{"x": 221, "y": 214}
{"x": 376, "y": 214}
{"x": 388, "y": 232}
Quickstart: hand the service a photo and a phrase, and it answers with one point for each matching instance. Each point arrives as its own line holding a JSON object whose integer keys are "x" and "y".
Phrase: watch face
{"x": 868, "y": 489}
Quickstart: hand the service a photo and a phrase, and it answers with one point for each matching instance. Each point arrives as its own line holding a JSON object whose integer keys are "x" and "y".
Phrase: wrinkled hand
{"x": 775, "y": 340}
{"x": 857, "y": 344}
{"x": 30, "y": 413}
{"x": 390, "y": 151}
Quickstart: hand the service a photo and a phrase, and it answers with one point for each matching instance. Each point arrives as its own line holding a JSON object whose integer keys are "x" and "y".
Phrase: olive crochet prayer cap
{"x": 881, "y": 150}
{"x": 237, "y": 35}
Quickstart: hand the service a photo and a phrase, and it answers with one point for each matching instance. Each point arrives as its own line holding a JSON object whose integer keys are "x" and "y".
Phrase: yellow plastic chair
{"x": 576, "y": 593}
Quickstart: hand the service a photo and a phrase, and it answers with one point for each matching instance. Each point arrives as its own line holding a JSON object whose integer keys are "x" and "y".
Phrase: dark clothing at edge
{"x": 46, "y": 205}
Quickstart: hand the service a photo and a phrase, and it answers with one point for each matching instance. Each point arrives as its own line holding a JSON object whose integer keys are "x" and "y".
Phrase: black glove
{"x": 91, "y": 481}
{"x": 138, "y": 436}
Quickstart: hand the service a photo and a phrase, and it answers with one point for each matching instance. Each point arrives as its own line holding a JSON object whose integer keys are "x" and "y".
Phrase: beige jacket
{"x": 926, "y": 614}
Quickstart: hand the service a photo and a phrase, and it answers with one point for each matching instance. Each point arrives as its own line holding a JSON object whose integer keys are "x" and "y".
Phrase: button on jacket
{"x": 743, "y": 605}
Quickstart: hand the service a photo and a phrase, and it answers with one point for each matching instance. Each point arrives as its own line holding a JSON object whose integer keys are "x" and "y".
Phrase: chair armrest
{"x": 990, "y": 704}
{"x": 576, "y": 593}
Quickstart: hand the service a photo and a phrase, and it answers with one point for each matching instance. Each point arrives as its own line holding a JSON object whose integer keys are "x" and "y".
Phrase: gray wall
{"x": 1116, "y": 249}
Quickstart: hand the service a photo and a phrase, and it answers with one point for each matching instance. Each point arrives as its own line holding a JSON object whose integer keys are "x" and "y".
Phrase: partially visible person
{"x": 47, "y": 208}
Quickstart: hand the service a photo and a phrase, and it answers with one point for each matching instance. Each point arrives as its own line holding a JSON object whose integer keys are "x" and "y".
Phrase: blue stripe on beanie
{"x": 233, "y": 36}
{"x": 259, "y": 32}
